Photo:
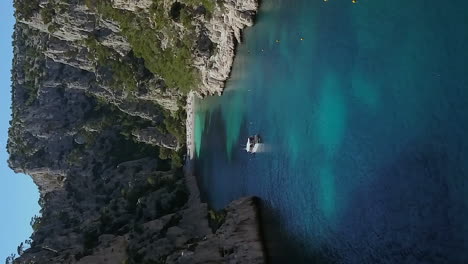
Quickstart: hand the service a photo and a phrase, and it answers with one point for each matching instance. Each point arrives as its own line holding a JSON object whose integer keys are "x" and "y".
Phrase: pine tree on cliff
{"x": 10, "y": 259}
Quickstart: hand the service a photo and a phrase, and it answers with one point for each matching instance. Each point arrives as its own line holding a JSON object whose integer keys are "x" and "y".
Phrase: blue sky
{"x": 19, "y": 195}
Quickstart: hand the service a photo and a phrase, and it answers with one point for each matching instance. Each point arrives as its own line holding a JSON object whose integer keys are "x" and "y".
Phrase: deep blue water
{"x": 364, "y": 111}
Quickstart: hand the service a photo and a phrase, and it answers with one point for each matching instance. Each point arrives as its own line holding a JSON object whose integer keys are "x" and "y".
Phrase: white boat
{"x": 253, "y": 144}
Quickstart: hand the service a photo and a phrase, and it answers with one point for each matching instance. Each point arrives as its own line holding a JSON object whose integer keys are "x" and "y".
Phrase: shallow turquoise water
{"x": 364, "y": 111}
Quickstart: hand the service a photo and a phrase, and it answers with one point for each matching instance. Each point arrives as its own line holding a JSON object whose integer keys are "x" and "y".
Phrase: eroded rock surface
{"x": 224, "y": 31}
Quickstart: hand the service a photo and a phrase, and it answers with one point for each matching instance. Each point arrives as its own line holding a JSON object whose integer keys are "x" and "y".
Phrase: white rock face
{"x": 70, "y": 53}
{"x": 224, "y": 29}
{"x": 153, "y": 136}
{"x": 132, "y": 5}
{"x": 73, "y": 26}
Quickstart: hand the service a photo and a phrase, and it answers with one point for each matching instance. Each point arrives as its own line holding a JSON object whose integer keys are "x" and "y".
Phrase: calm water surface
{"x": 364, "y": 111}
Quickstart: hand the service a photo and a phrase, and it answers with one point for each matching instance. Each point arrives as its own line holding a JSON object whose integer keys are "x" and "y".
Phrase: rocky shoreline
{"x": 190, "y": 125}
{"x": 225, "y": 31}
{"x": 240, "y": 236}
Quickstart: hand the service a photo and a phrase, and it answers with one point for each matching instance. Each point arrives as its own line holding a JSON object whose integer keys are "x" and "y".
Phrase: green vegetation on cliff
{"x": 47, "y": 13}
{"x": 25, "y": 9}
{"x": 173, "y": 63}
{"x": 123, "y": 72}
{"x": 30, "y": 69}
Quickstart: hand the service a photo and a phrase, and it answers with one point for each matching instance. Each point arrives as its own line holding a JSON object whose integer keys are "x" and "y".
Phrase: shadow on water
{"x": 218, "y": 177}
{"x": 415, "y": 214}
{"x": 281, "y": 247}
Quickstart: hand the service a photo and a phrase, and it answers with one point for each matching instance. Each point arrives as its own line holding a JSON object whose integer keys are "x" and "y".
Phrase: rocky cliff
{"x": 98, "y": 102}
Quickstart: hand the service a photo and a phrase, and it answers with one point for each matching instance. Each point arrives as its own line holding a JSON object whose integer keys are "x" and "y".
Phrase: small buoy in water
{"x": 277, "y": 41}
{"x": 302, "y": 38}
{"x": 262, "y": 50}
{"x": 354, "y": 1}
{"x": 325, "y": 0}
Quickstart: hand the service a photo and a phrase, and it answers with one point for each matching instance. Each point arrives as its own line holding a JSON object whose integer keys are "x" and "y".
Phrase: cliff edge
{"x": 98, "y": 101}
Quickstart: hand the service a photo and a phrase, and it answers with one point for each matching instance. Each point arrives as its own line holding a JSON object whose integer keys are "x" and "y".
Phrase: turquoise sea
{"x": 364, "y": 112}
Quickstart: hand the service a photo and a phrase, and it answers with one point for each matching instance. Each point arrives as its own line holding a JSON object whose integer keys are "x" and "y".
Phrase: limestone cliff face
{"x": 224, "y": 30}
{"x": 69, "y": 51}
{"x": 98, "y": 112}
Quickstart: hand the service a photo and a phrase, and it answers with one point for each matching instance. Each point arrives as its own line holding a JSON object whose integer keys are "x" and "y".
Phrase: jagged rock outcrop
{"x": 47, "y": 180}
{"x": 238, "y": 239}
